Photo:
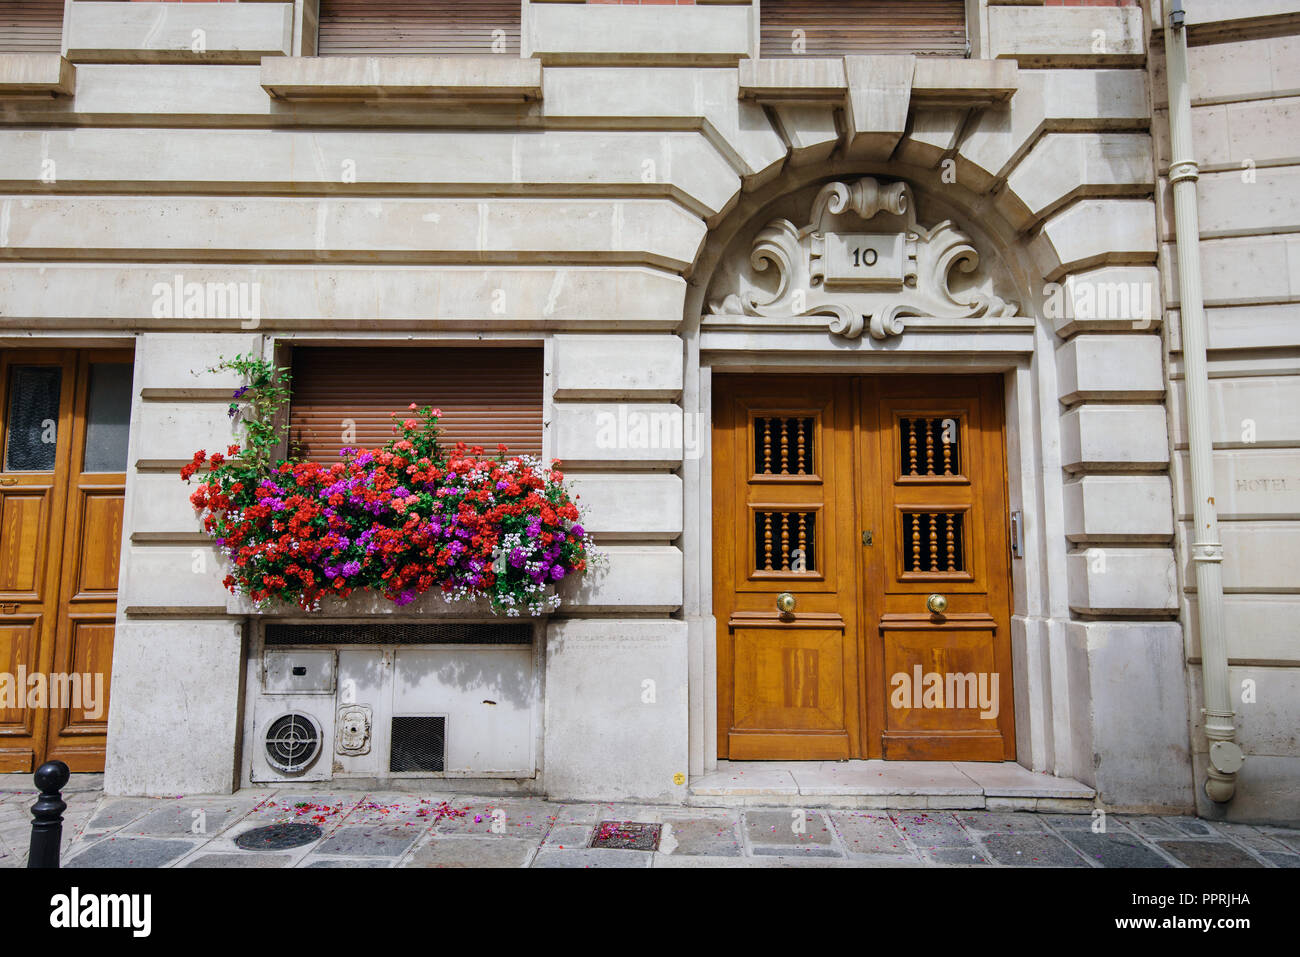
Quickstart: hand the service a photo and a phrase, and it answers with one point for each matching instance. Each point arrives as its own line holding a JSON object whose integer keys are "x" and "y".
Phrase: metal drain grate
{"x": 627, "y": 835}
{"x": 278, "y": 837}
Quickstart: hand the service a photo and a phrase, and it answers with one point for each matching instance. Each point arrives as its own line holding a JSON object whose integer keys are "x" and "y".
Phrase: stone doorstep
{"x": 880, "y": 785}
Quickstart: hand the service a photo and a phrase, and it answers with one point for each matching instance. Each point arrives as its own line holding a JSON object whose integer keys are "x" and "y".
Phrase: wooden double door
{"x": 861, "y": 568}
{"x": 63, "y": 456}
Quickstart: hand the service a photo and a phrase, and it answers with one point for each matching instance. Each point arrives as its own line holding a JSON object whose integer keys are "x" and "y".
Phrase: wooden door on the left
{"x": 63, "y": 452}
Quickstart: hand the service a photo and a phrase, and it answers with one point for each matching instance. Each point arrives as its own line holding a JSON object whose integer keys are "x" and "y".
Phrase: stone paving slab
{"x": 1190, "y": 825}
{"x": 368, "y": 840}
{"x": 472, "y": 852}
{"x": 1032, "y": 850}
{"x": 591, "y": 857}
{"x": 1152, "y": 827}
{"x": 1290, "y": 839}
{"x": 701, "y": 837}
{"x": 516, "y": 818}
{"x": 115, "y": 813}
{"x": 131, "y": 852}
{"x": 1002, "y": 822}
{"x": 873, "y": 835}
{"x": 1116, "y": 849}
{"x": 677, "y": 861}
{"x": 803, "y": 830}
{"x": 1082, "y": 822}
{"x": 1208, "y": 854}
{"x": 239, "y": 860}
{"x": 197, "y": 817}
{"x": 581, "y": 813}
{"x": 1252, "y": 837}
{"x": 1273, "y": 857}
{"x": 569, "y": 835}
{"x": 972, "y": 856}
{"x": 932, "y": 829}
{"x": 345, "y": 862}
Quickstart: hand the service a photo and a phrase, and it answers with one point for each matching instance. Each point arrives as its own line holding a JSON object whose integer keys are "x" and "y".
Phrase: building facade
{"x": 858, "y": 329}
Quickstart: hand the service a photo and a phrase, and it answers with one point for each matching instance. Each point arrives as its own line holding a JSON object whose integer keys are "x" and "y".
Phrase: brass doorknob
{"x": 937, "y": 604}
{"x": 785, "y": 603}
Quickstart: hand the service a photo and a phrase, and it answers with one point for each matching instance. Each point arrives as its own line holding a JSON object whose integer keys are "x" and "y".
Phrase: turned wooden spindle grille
{"x": 785, "y": 541}
{"x": 783, "y": 444}
{"x": 930, "y": 446}
{"x": 933, "y": 542}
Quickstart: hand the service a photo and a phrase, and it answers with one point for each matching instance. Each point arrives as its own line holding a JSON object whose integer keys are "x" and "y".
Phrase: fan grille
{"x": 293, "y": 742}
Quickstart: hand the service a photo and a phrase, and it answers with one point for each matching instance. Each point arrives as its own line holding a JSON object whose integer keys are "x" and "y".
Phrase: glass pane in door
{"x": 32, "y": 418}
{"x": 108, "y": 417}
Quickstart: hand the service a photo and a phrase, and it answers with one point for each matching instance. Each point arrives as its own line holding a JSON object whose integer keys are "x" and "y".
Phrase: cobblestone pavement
{"x": 403, "y": 829}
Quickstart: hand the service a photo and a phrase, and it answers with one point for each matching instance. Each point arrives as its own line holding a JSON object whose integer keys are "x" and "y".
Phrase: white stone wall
{"x": 583, "y": 201}
{"x": 1246, "y": 121}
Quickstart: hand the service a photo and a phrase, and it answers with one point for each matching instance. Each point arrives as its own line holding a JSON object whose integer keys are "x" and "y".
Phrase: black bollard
{"x": 47, "y": 812}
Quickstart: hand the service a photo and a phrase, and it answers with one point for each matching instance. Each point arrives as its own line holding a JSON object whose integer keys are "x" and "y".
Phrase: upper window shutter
{"x": 379, "y": 27}
{"x": 839, "y": 27}
{"x": 487, "y": 396}
{"x": 31, "y": 26}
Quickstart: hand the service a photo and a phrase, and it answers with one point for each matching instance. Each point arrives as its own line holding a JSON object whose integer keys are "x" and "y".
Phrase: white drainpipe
{"x": 1207, "y": 552}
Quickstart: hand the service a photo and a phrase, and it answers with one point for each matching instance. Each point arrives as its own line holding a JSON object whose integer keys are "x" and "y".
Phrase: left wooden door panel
{"x": 781, "y": 456}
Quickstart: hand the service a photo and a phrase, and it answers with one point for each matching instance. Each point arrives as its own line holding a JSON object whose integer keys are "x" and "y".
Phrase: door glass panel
{"x": 33, "y": 418}
{"x": 108, "y": 417}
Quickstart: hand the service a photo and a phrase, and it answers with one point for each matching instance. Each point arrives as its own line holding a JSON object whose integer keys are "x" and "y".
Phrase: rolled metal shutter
{"x": 380, "y": 27}
{"x": 31, "y": 26}
{"x": 487, "y": 396}
{"x": 839, "y": 27}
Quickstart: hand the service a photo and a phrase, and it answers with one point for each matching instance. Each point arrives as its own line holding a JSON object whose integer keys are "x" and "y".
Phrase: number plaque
{"x": 858, "y": 259}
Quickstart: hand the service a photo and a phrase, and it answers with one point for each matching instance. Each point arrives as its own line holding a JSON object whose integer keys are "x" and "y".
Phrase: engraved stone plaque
{"x": 864, "y": 259}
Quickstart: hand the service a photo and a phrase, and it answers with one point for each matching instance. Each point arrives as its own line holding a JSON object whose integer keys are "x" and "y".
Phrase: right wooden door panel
{"x": 942, "y": 682}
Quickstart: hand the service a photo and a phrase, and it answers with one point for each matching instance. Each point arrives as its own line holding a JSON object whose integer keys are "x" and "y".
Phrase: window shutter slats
{"x": 487, "y": 396}
{"x": 380, "y": 27}
{"x": 839, "y": 27}
{"x": 31, "y": 26}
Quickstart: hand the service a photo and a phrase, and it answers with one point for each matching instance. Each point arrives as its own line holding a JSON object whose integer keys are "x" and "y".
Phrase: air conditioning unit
{"x": 294, "y": 717}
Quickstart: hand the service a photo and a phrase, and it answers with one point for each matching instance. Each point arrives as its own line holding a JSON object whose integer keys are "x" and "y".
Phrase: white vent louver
{"x": 293, "y": 742}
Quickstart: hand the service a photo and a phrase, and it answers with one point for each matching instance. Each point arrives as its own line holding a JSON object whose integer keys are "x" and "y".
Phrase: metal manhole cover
{"x": 278, "y": 837}
{"x": 627, "y": 835}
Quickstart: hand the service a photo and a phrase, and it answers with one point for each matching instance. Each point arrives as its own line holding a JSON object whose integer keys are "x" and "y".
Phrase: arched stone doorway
{"x": 899, "y": 290}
